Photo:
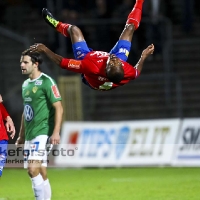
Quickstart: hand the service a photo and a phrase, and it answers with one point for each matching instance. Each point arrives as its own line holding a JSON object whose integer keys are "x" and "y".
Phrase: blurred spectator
{"x": 188, "y": 12}
{"x": 38, "y": 5}
{"x": 71, "y": 11}
{"x": 197, "y": 7}
{"x": 15, "y": 2}
{"x": 153, "y": 11}
{"x": 101, "y": 32}
{"x": 122, "y": 10}
{"x": 2, "y": 10}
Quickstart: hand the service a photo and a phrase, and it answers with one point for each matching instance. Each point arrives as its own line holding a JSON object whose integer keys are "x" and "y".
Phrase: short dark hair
{"x": 35, "y": 57}
{"x": 115, "y": 74}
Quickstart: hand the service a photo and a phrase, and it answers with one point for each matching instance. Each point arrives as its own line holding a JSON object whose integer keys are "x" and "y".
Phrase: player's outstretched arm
{"x": 41, "y": 48}
{"x": 145, "y": 53}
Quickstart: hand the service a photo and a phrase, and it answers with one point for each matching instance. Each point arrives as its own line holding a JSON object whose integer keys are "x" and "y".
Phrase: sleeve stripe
{"x": 53, "y": 83}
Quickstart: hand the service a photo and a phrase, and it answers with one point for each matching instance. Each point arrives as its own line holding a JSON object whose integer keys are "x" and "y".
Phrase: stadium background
{"x": 168, "y": 88}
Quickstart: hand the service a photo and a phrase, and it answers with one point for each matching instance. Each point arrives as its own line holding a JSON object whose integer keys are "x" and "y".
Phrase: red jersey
{"x": 93, "y": 67}
{"x": 3, "y": 115}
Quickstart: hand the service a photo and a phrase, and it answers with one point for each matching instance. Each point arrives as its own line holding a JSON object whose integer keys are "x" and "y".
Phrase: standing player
{"x": 100, "y": 70}
{"x": 8, "y": 127}
{"x": 41, "y": 119}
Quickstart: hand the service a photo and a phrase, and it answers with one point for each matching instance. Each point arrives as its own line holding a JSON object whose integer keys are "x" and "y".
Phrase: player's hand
{"x": 1, "y": 100}
{"x": 55, "y": 139}
{"x": 148, "y": 51}
{"x": 38, "y": 47}
{"x": 10, "y": 127}
{"x": 19, "y": 142}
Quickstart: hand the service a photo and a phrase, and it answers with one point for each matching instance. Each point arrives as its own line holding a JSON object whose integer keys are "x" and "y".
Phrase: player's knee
{"x": 43, "y": 173}
{"x": 130, "y": 27}
{"x": 32, "y": 171}
{"x": 75, "y": 30}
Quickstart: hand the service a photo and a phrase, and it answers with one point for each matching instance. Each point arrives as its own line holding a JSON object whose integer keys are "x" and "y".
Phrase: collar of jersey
{"x": 35, "y": 78}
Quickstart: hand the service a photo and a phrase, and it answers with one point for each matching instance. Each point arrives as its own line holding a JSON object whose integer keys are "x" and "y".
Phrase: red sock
{"x": 62, "y": 28}
{"x": 135, "y": 15}
{"x": 138, "y": 4}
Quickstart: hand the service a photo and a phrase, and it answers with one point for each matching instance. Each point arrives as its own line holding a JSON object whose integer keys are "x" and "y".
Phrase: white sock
{"x": 38, "y": 187}
{"x": 47, "y": 190}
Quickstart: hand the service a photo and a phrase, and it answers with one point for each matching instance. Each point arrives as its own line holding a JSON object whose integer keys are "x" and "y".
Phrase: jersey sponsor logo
{"x": 55, "y": 91}
{"x": 28, "y": 113}
{"x": 35, "y": 88}
{"x": 38, "y": 82}
{"x": 27, "y": 99}
{"x": 74, "y": 64}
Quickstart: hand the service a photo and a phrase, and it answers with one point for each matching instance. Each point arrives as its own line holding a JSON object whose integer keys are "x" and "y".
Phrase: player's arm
{"x": 10, "y": 126}
{"x": 8, "y": 121}
{"x": 4, "y": 112}
{"x": 146, "y": 53}
{"x": 41, "y": 48}
{"x": 21, "y": 138}
{"x": 1, "y": 100}
{"x": 65, "y": 63}
{"x": 55, "y": 138}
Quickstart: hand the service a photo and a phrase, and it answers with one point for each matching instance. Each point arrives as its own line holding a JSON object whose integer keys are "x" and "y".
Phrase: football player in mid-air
{"x": 100, "y": 70}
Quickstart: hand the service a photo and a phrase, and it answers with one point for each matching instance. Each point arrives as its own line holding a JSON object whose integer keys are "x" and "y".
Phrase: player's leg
{"x": 36, "y": 178}
{"x": 43, "y": 171}
{"x": 35, "y": 150}
{"x": 133, "y": 21}
{"x": 65, "y": 29}
{"x": 3, "y": 154}
{"x": 123, "y": 46}
{"x": 47, "y": 186}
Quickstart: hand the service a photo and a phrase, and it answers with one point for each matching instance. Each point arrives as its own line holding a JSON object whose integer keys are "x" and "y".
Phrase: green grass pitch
{"x": 107, "y": 184}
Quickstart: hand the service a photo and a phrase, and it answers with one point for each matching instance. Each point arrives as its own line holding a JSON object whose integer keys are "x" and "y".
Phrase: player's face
{"x": 27, "y": 66}
{"x": 113, "y": 61}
